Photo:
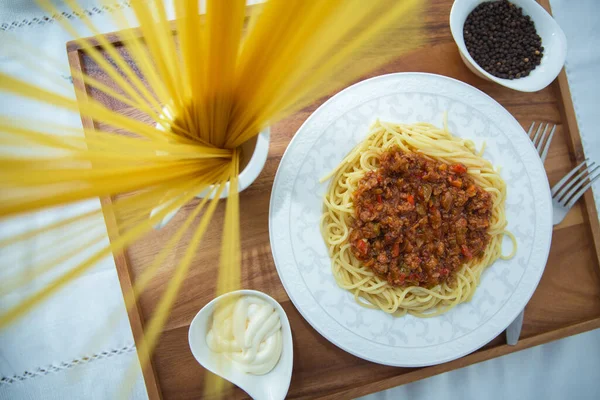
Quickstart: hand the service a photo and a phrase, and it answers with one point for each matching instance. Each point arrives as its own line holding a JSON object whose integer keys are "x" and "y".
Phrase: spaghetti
{"x": 362, "y": 277}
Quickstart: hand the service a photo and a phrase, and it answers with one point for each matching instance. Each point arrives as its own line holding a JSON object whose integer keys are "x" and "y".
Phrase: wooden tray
{"x": 566, "y": 302}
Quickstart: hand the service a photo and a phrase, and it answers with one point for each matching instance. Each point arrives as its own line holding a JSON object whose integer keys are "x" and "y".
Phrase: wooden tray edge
{"x": 567, "y": 111}
{"x": 470, "y": 359}
{"x": 122, "y": 266}
{"x": 115, "y": 37}
{"x": 136, "y": 321}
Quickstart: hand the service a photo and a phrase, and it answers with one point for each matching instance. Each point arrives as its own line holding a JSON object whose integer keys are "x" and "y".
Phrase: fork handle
{"x": 514, "y": 330}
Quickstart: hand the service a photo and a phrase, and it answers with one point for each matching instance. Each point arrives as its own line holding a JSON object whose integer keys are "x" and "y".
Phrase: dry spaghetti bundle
{"x": 201, "y": 86}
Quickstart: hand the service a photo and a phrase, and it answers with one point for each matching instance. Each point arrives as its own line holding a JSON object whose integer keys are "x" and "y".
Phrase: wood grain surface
{"x": 566, "y": 302}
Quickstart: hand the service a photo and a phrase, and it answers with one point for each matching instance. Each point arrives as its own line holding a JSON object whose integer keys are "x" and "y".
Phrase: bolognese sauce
{"x": 417, "y": 221}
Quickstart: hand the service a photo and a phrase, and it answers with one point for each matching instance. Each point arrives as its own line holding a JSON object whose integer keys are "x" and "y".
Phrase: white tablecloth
{"x": 49, "y": 354}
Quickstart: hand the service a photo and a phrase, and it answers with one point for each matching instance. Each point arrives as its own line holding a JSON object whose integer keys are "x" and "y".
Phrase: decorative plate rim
{"x": 318, "y": 318}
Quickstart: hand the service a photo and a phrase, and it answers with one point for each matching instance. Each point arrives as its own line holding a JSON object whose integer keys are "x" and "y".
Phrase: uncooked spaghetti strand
{"x": 90, "y": 108}
{"x": 187, "y": 116}
{"x": 188, "y": 28}
{"x": 96, "y": 84}
{"x": 21, "y": 136}
{"x": 224, "y": 24}
{"x": 79, "y": 161}
{"x": 229, "y": 276}
{"x": 134, "y": 47}
{"x": 53, "y": 241}
{"x": 280, "y": 99}
{"x": 11, "y": 283}
{"x": 74, "y": 138}
{"x": 165, "y": 38}
{"x": 116, "y": 57}
{"x": 141, "y": 282}
{"x": 92, "y": 52}
{"x": 261, "y": 53}
{"x": 272, "y": 39}
{"x": 163, "y": 64}
{"x": 146, "y": 276}
{"x": 156, "y": 323}
{"x": 74, "y": 149}
{"x": 17, "y": 205}
{"x": 107, "y": 187}
{"x": 56, "y": 225}
{"x": 118, "y": 206}
{"x": 187, "y": 10}
{"x": 30, "y": 61}
{"x": 142, "y": 204}
{"x": 120, "y": 242}
{"x": 148, "y": 273}
{"x": 378, "y": 18}
{"x": 30, "y": 172}
{"x": 139, "y": 207}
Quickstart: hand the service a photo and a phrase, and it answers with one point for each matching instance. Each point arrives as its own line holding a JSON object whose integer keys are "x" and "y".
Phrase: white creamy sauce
{"x": 247, "y": 330}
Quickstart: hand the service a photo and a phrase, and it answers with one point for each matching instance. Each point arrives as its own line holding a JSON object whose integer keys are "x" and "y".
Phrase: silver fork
{"x": 564, "y": 195}
{"x": 541, "y": 140}
{"x": 570, "y": 188}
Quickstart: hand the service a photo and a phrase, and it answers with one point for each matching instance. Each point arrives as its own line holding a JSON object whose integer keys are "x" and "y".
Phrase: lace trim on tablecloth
{"x": 53, "y": 368}
{"x": 71, "y": 14}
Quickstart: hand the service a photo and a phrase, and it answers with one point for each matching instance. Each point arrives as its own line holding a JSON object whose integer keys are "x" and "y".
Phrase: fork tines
{"x": 541, "y": 139}
{"x": 570, "y": 188}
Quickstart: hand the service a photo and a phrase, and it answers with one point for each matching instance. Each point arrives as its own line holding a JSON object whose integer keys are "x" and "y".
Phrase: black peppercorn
{"x": 502, "y": 40}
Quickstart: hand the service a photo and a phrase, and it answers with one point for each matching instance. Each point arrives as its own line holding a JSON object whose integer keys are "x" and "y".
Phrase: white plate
{"x": 300, "y": 254}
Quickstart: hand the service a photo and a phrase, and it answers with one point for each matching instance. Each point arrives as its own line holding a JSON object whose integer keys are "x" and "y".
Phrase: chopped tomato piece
{"x": 396, "y": 250}
{"x": 362, "y": 246}
{"x": 455, "y": 182}
{"x": 458, "y": 168}
{"x": 471, "y": 191}
{"x": 466, "y": 252}
{"x": 417, "y": 221}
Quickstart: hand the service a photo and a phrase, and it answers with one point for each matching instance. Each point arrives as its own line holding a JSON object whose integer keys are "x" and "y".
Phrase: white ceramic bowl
{"x": 273, "y": 385}
{"x": 553, "y": 40}
{"x": 259, "y": 150}
{"x": 257, "y": 147}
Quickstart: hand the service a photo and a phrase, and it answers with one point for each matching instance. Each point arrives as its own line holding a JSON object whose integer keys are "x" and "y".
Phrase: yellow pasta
{"x": 203, "y": 85}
